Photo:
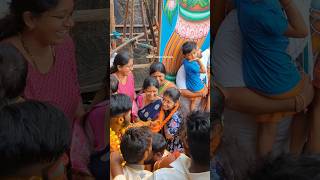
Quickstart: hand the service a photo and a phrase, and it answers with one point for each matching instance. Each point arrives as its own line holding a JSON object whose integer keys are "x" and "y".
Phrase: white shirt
{"x": 134, "y": 172}
{"x": 179, "y": 171}
{"x": 181, "y": 74}
{"x": 227, "y": 53}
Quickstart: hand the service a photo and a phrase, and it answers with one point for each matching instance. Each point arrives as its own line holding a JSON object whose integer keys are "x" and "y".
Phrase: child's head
{"x": 34, "y": 136}
{"x": 190, "y": 50}
{"x": 13, "y": 72}
{"x": 216, "y": 122}
{"x": 159, "y": 144}
{"x": 122, "y": 63}
{"x": 158, "y": 71}
{"x": 196, "y": 137}
{"x": 136, "y": 145}
{"x": 113, "y": 84}
{"x": 120, "y": 109}
{"x": 150, "y": 88}
{"x": 170, "y": 98}
{"x": 302, "y": 167}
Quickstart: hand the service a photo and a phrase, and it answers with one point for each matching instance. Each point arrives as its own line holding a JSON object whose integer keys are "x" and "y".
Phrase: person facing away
{"x": 36, "y": 137}
{"x": 195, "y": 163}
{"x": 136, "y": 147}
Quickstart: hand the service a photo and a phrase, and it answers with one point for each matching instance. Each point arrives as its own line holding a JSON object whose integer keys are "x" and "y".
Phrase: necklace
{"x": 32, "y": 58}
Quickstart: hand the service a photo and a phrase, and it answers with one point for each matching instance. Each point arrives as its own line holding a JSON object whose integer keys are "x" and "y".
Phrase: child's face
{"x": 151, "y": 93}
{"x": 160, "y": 77}
{"x": 194, "y": 54}
{"x": 167, "y": 103}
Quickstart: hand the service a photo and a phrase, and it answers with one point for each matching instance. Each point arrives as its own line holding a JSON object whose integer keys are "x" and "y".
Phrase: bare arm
{"x": 202, "y": 67}
{"x": 245, "y": 100}
{"x": 188, "y": 94}
{"x": 115, "y": 164}
{"x": 297, "y": 27}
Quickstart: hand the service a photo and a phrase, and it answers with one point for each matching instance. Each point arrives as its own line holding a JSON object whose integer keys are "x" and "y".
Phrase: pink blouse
{"x": 128, "y": 87}
{"x": 60, "y": 85}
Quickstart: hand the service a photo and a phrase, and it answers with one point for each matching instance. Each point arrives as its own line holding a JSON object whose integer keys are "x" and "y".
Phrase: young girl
{"x": 170, "y": 119}
{"x": 122, "y": 70}
{"x": 158, "y": 71}
{"x": 149, "y": 102}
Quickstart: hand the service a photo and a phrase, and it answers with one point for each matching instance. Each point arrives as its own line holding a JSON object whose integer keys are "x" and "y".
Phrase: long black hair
{"x": 121, "y": 59}
{"x": 13, "y": 23}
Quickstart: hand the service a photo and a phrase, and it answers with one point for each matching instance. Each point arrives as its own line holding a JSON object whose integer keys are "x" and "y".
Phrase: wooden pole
{"x": 127, "y": 42}
{"x": 156, "y": 8}
{"x": 132, "y": 18}
{"x": 159, "y": 21}
{"x": 125, "y": 19}
{"x": 150, "y": 23}
{"x": 112, "y": 23}
{"x": 112, "y": 19}
{"x": 143, "y": 21}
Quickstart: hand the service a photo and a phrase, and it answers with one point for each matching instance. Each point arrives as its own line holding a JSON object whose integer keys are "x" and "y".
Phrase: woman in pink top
{"x": 39, "y": 29}
{"x": 122, "y": 69}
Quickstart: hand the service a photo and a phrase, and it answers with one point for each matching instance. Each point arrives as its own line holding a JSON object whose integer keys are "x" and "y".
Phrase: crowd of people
{"x": 162, "y": 130}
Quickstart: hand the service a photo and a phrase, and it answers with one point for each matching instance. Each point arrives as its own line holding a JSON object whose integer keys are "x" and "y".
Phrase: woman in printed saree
{"x": 170, "y": 120}
{"x": 149, "y": 102}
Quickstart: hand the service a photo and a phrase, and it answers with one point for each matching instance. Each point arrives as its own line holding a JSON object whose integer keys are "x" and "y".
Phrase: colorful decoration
{"x": 114, "y": 141}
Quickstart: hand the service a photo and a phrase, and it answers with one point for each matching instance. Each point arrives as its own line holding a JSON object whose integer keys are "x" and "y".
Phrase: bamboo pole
{"x": 112, "y": 23}
{"x": 127, "y": 42}
{"x": 125, "y": 19}
{"x": 132, "y": 18}
{"x": 150, "y": 23}
{"x": 143, "y": 21}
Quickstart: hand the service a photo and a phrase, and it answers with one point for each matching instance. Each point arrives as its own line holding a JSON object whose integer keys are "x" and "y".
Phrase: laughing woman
{"x": 39, "y": 29}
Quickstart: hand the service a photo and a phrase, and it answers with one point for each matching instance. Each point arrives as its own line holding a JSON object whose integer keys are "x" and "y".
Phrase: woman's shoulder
{"x": 171, "y": 85}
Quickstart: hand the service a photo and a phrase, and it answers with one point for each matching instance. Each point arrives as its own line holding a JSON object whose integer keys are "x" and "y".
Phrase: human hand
{"x": 205, "y": 92}
{"x": 115, "y": 157}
